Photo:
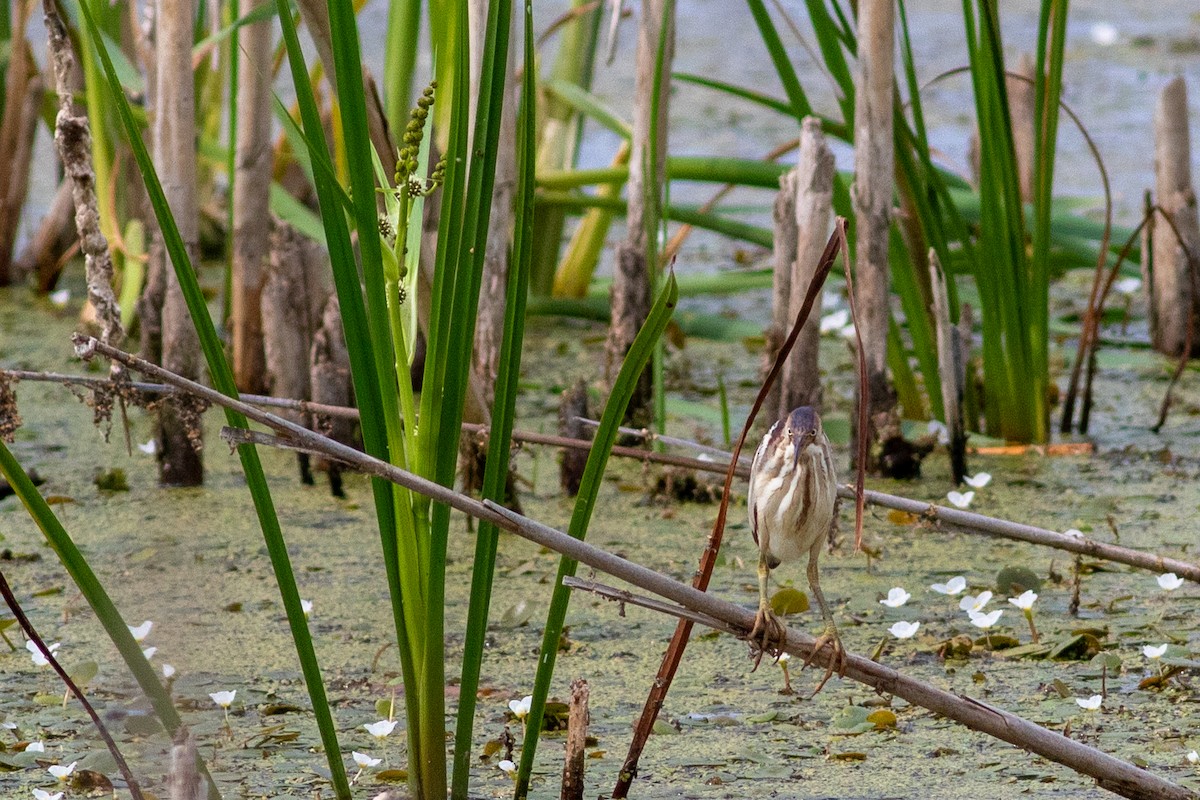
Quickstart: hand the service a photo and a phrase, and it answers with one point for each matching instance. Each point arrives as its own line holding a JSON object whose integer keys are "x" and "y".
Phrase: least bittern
{"x": 793, "y": 491}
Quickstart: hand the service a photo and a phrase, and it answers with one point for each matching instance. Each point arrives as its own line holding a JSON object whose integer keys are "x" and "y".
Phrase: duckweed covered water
{"x": 193, "y": 561}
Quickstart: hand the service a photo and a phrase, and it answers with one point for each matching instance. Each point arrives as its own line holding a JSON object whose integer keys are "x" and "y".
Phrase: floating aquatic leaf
{"x": 789, "y": 601}
{"x": 882, "y": 718}
{"x": 1014, "y": 580}
{"x": 1079, "y": 647}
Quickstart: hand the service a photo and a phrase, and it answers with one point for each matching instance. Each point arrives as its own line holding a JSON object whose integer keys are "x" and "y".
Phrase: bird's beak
{"x": 800, "y": 444}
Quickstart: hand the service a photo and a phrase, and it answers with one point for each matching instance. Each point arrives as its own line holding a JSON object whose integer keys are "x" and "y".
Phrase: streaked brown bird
{"x": 793, "y": 491}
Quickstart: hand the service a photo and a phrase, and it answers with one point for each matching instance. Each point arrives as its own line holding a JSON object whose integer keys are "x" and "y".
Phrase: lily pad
{"x": 789, "y": 601}
{"x": 1014, "y": 580}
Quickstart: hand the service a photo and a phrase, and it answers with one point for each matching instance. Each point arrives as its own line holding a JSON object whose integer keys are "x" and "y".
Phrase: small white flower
{"x": 223, "y": 699}
{"x": 35, "y": 747}
{"x": 1104, "y": 34}
{"x": 904, "y": 630}
{"x": 168, "y": 671}
{"x": 1025, "y": 601}
{"x": 847, "y": 332}
{"x": 363, "y": 760}
{"x": 1074, "y": 533}
{"x": 939, "y": 429}
{"x": 835, "y": 321}
{"x": 896, "y": 597}
{"x": 1128, "y": 286}
{"x": 381, "y": 730}
{"x": 960, "y": 499}
{"x": 971, "y": 603}
{"x": 507, "y": 767}
{"x": 784, "y": 658}
{"x": 60, "y": 298}
{"x": 149, "y": 448}
{"x": 985, "y": 621}
{"x": 1170, "y": 581}
{"x": 149, "y": 652}
{"x": 1193, "y": 757}
{"x": 306, "y": 606}
{"x": 951, "y": 587}
{"x": 978, "y": 481}
{"x": 1154, "y": 653}
{"x": 62, "y": 773}
{"x": 140, "y": 632}
{"x": 520, "y": 708}
{"x": 35, "y": 651}
{"x": 1089, "y": 703}
{"x": 42, "y": 794}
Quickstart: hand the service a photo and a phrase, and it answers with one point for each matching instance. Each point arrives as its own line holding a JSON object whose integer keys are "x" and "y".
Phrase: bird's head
{"x": 801, "y": 429}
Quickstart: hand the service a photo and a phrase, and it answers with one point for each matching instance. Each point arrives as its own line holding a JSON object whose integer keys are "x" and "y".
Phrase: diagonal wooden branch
{"x": 1109, "y": 772}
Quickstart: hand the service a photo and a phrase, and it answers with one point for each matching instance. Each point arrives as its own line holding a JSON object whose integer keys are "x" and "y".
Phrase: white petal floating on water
{"x": 981, "y": 620}
{"x": 951, "y": 587}
{"x": 960, "y": 499}
{"x": 1089, "y": 703}
{"x": 1025, "y": 601}
{"x": 904, "y": 630}
{"x": 975, "y": 602}
{"x": 978, "y": 481}
{"x": 1152, "y": 652}
{"x": 1170, "y": 581}
{"x": 896, "y": 598}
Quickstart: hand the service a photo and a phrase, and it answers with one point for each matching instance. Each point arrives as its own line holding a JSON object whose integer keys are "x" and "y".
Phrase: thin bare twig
{"x": 134, "y": 788}
{"x": 93, "y": 382}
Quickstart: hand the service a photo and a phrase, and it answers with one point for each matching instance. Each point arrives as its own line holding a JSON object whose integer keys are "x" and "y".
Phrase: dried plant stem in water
{"x": 74, "y": 141}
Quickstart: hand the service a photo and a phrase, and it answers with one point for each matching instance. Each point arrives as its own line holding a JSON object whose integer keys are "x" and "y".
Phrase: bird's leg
{"x": 837, "y": 658}
{"x": 767, "y": 632}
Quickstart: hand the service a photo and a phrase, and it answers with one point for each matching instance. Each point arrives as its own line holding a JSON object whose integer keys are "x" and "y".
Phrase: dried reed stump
{"x": 330, "y": 384}
{"x": 294, "y": 298}
{"x": 573, "y": 408}
{"x": 800, "y": 381}
{"x": 872, "y": 198}
{"x": 577, "y": 725}
{"x": 1170, "y": 267}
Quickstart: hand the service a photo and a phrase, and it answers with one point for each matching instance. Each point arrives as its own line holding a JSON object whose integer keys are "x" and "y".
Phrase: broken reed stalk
{"x": 1110, "y": 773}
{"x": 19, "y": 613}
{"x": 72, "y": 135}
{"x": 251, "y": 200}
{"x": 800, "y": 381}
{"x": 951, "y": 367}
{"x": 872, "y": 196}
{"x": 577, "y": 725}
{"x": 636, "y": 268}
{"x": 1172, "y": 303}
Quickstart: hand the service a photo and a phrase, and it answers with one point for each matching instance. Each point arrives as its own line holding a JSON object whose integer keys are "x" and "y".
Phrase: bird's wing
{"x": 759, "y": 456}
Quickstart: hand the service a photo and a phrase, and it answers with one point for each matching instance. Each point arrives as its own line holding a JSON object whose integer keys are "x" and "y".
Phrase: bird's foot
{"x": 837, "y": 656}
{"x": 767, "y": 635}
